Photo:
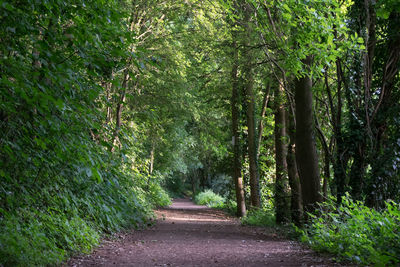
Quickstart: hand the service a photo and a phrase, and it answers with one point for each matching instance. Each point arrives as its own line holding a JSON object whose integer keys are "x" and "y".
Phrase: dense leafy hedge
{"x": 58, "y": 223}
{"x": 61, "y": 185}
{"x": 357, "y": 233}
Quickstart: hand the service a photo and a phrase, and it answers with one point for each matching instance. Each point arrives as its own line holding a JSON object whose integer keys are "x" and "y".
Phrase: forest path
{"x": 191, "y": 235}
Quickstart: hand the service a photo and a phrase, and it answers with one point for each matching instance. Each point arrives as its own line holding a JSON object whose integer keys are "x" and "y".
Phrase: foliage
{"x": 103, "y": 103}
{"x": 222, "y": 184}
{"x": 71, "y": 222}
{"x": 210, "y": 199}
{"x": 155, "y": 194}
{"x": 259, "y": 217}
{"x": 175, "y": 185}
{"x": 357, "y": 233}
{"x": 61, "y": 184}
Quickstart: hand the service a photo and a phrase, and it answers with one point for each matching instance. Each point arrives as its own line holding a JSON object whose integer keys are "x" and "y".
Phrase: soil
{"x": 191, "y": 235}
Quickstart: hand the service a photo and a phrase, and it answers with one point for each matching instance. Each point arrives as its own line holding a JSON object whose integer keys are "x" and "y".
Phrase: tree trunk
{"x": 281, "y": 200}
{"x": 120, "y": 104}
{"x": 261, "y": 122}
{"x": 151, "y": 163}
{"x": 327, "y": 160}
{"x": 296, "y": 209}
{"x": 108, "y": 86}
{"x": 306, "y": 153}
{"x": 250, "y": 112}
{"x": 339, "y": 159}
{"x": 340, "y": 166}
{"x": 237, "y": 177}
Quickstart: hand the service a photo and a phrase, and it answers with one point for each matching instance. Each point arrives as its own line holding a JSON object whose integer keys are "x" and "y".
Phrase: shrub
{"x": 222, "y": 184}
{"x": 210, "y": 199}
{"x": 158, "y": 196}
{"x": 259, "y": 217}
{"x": 357, "y": 233}
{"x": 27, "y": 244}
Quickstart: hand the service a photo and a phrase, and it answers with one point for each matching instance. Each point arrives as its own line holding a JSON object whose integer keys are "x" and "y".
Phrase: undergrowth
{"x": 46, "y": 223}
{"x": 356, "y": 233}
{"x": 67, "y": 174}
{"x": 259, "y": 217}
{"x": 209, "y": 198}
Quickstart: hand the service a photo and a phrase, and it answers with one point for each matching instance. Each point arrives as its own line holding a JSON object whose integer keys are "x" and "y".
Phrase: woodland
{"x": 284, "y": 113}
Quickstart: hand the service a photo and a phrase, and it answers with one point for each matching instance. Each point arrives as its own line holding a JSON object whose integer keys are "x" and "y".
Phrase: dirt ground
{"x": 191, "y": 235}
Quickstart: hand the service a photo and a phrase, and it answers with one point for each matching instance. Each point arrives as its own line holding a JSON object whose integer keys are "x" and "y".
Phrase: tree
{"x": 250, "y": 111}
{"x": 237, "y": 176}
{"x": 306, "y": 152}
{"x": 281, "y": 194}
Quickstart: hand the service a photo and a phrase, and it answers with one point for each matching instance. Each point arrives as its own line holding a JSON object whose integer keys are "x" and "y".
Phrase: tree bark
{"x": 252, "y": 150}
{"x": 151, "y": 163}
{"x": 296, "y": 209}
{"x": 327, "y": 160}
{"x": 250, "y": 112}
{"x": 281, "y": 187}
{"x": 306, "y": 153}
{"x": 261, "y": 122}
{"x": 120, "y": 105}
{"x": 237, "y": 168}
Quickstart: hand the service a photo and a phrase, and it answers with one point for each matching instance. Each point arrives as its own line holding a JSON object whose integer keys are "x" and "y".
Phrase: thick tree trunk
{"x": 281, "y": 187}
{"x": 250, "y": 112}
{"x": 237, "y": 168}
{"x": 306, "y": 153}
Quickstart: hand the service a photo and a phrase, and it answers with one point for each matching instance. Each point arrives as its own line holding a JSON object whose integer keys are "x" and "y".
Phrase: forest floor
{"x": 191, "y": 235}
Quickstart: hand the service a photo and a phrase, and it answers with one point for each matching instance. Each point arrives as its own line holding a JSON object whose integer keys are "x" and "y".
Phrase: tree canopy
{"x": 110, "y": 107}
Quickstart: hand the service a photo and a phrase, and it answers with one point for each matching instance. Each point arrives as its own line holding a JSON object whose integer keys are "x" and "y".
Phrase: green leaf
{"x": 97, "y": 175}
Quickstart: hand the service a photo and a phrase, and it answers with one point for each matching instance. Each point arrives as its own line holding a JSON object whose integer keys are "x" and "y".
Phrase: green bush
{"x": 231, "y": 207}
{"x": 157, "y": 195}
{"x": 357, "y": 233}
{"x": 221, "y": 184}
{"x": 50, "y": 223}
{"x": 259, "y": 217}
{"x": 27, "y": 244}
{"x": 210, "y": 199}
{"x": 62, "y": 185}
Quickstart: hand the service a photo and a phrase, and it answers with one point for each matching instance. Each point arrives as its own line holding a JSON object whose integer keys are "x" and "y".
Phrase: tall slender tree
{"x": 235, "y": 103}
{"x": 281, "y": 187}
{"x": 248, "y": 83}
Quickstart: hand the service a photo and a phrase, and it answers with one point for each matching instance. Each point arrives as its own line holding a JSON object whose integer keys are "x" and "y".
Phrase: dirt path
{"x": 192, "y": 235}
